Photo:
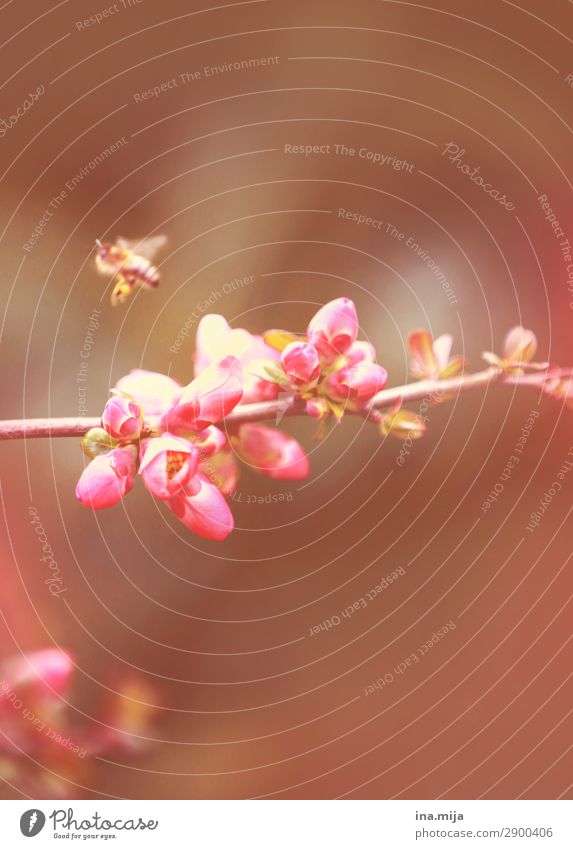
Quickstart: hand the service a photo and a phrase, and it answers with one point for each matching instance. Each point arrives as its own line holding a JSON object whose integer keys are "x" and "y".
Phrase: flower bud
{"x": 358, "y": 383}
{"x": 317, "y": 408}
{"x": 271, "y": 452}
{"x": 360, "y": 352}
{"x": 520, "y": 345}
{"x": 168, "y": 463}
{"x": 403, "y": 425}
{"x": 107, "y": 478}
{"x": 334, "y": 328}
{"x": 301, "y": 364}
{"x": 122, "y": 418}
{"x": 204, "y": 510}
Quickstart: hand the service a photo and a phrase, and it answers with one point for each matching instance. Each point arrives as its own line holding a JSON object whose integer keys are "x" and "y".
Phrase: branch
{"x": 264, "y": 410}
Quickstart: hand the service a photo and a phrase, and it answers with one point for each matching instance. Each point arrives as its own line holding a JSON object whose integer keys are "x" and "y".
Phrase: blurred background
{"x": 236, "y": 698}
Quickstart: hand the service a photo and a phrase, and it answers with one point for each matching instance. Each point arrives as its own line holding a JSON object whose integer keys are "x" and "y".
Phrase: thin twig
{"x": 269, "y": 410}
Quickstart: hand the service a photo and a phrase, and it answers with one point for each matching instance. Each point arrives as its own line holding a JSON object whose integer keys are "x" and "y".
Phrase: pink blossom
{"x": 38, "y": 676}
{"x": 168, "y": 463}
{"x": 152, "y": 390}
{"x": 301, "y": 364}
{"x": 334, "y": 328}
{"x": 204, "y": 510}
{"x": 216, "y": 339}
{"x": 122, "y": 418}
{"x": 272, "y": 452}
{"x": 207, "y": 399}
{"x": 357, "y": 384}
{"x": 107, "y": 478}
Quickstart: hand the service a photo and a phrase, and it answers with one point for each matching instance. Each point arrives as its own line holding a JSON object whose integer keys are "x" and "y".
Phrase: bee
{"x": 129, "y": 263}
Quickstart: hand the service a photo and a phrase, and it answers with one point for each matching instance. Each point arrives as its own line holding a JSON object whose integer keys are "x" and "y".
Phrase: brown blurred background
{"x": 249, "y": 703}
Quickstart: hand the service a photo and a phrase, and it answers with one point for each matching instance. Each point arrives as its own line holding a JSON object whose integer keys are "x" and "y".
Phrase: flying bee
{"x": 129, "y": 263}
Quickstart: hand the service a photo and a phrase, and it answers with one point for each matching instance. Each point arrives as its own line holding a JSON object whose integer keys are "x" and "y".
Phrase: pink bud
{"x": 334, "y": 328}
{"x": 357, "y": 383}
{"x": 207, "y": 399}
{"x": 520, "y": 345}
{"x": 301, "y": 364}
{"x": 122, "y": 418}
{"x": 107, "y": 478}
{"x": 205, "y": 511}
{"x": 317, "y": 408}
{"x": 272, "y": 452}
{"x": 360, "y": 352}
{"x": 43, "y": 674}
{"x": 168, "y": 464}
{"x": 152, "y": 390}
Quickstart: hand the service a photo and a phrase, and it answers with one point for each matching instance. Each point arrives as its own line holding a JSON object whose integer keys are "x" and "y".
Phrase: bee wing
{"x": 147, "y": 248}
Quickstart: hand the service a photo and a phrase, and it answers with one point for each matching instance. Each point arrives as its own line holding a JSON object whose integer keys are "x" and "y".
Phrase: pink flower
{"x": 207, "y": 399}
{"x": 168, "y": 463}
{"x": 272, "y": 452}
{"x": 107, "y": 478}
{"x": 216, "y": 339}
{"x": 301, "y": 364}
{"x": 334, "y": 328}
{"x": 152, "y": 390}
{"x": 122, "y": 418}
{"x": 40, "y": 676}
{"x": 357, "y": 384}
{"x": 204, "y": 510}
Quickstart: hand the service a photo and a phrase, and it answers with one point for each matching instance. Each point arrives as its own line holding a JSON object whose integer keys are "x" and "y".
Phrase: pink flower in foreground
{"x": 357, "y": 384}
{"x": 216, "y": 339}
{"x": 207, "y": 399}
{"x": 107, "y": 478}
{"x": 272, "y": 452}
{"x": 38, "y": 677}
{"x": 42, "y": 752}
{"x": 334, "y": 328}
{"x": 301, "y": 364}
{"x": 122, "y": 418}
{"x": 205, "y": 511}
{"x": 168, "y": 463}
{"x": 152, "y": 390}
{"x": 430, "y": 359}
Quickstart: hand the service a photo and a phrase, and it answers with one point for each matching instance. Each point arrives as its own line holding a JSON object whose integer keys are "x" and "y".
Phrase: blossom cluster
{"x": 184, "y": 447}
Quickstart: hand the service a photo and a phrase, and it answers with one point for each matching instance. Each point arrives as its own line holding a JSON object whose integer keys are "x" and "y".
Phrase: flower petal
{"x": 154, "y": 391}
{"x": 206, "y": 513}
